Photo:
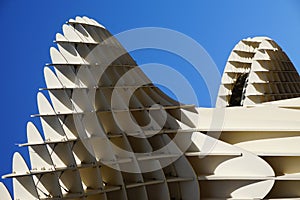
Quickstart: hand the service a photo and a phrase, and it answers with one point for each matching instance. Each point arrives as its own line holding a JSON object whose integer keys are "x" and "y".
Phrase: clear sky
{"x": 29, "y": 27}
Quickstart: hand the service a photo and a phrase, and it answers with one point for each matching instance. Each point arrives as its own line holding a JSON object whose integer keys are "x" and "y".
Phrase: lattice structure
{"x": 258, "y": 71}
{"x": 109, "y": 133}
{"x": 87, "y": 152}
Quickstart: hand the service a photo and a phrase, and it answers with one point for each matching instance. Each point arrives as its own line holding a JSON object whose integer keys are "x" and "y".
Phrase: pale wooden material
{"x": 269, "y": 74}
{"x": 99, "y": 141}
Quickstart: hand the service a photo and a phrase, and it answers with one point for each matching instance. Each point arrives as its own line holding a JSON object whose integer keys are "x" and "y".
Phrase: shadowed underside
{"x": 109, "y": 133}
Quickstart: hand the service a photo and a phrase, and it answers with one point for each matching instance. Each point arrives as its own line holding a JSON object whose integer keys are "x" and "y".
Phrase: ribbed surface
{"x": 109, "y": 133}
{"x": 95, "y": 127}
{"x": 269, "y": 74}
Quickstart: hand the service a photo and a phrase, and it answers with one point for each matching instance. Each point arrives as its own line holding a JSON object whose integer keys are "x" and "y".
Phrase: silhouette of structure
{"x": 109, "y": 133}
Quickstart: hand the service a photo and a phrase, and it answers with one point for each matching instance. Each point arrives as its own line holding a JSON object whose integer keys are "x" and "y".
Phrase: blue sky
{"x": 29, "y": 27}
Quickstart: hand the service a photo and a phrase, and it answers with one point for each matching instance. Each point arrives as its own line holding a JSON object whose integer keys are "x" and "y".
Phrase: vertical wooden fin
{"x": 24, "y": 187}
{"x": 4, "y": 194}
